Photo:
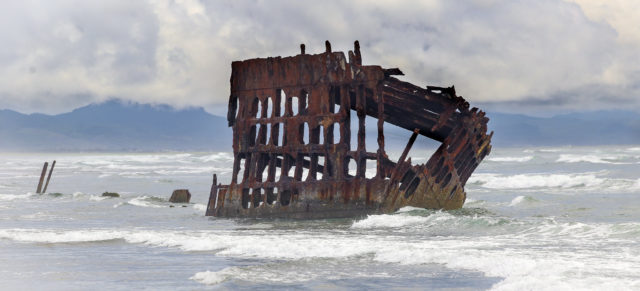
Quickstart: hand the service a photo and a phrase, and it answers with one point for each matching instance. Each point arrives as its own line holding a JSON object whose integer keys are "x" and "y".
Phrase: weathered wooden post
{"x": 213, "y": 197}
{"x": 49, "y": 177}
{"x": 44, "y": 171}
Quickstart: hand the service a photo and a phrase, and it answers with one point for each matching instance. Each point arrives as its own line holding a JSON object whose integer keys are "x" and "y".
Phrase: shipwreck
{"x": 291, "y": 120}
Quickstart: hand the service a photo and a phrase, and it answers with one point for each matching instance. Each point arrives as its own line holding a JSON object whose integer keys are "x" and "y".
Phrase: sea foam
{"x": 522, "y": 200}
{"x": 594, "y": 159}
{"x": 511, "y": 159}
{"x": 200, "y": 207}
{"x": 385, "y": 220}
{"x": 535, "y": 257}
{"x": 524, "y": 181}
{"x": 218, "y": 157}
{"x": 10, "y": 197}
{"x": 58, "y": 236}
{"x": 144, "y": 201}
{"x": 213, "y": 278}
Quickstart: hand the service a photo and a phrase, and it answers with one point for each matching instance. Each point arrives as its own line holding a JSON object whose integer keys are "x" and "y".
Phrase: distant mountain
{"x": 586, "y": 128}
{"x": 121, "y": 126}
{"x": 115, "y": 126}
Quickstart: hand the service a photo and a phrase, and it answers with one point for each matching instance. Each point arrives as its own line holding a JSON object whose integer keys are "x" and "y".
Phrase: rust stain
{"x": 291, "y": 120}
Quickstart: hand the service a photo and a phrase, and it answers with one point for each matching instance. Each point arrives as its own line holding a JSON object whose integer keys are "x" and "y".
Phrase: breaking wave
{"x": 524, "y": 181}
{"x": 200, "y": 207}
{"x": 299, "y": 272}
{"x": 98, "y": 198}
{"x": 442, "y": 223}
{"x": 218, "y": 157}
{"x": 61, "y": 236}
{"x": 213, "y": 278}
{"x": 140, "y": 201}
{"x": 522, "y": 200}
{"x": 11, "y": 197}
{"x": 146, "y": 201}
{"x": 386, "y": 220}
{"x": 269, "y": 243}
{"x": 511, "y": 159}
{"x": 520, "y": 254}
{"x": 594, "y": 159}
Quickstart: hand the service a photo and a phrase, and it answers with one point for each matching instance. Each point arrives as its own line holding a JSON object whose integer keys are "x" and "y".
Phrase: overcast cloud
{"x": 502, "y": 54}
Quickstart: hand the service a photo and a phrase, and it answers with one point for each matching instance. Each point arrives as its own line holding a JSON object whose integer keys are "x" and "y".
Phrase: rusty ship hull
{"x": 292, "y": 140}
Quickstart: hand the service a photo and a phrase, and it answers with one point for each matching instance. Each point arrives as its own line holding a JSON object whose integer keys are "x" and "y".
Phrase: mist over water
{"x": 535, "y": 219}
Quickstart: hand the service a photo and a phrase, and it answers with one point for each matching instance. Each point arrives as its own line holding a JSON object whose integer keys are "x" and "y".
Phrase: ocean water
{"x": 535, "y": 219}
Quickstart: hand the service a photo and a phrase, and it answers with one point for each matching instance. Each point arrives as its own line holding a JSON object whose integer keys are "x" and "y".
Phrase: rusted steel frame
{"x": 406, "y": 174}
{"x": 392, "y": 116}
{"x": 303, "y": 85}
{"x": 407, "y": 148}
{"x": 403, "y": 156}
{"x": 471, "y": 161}
{"x": 406, "y": 104}
{"x": 305, "y": 73}
{"x": 462, "y": 151}
{"x": 436, "y": 161}
{"x": 329, "y": 80}
{"x": 381, "y": 148}
{"x": 444, "y": 118}
{"x": 445, "y": 169}
{"x": 434, "y": 104}
{"x": 361, "y": 105}
{"x": 345, "y": 107}
{"x": 459, "y": 142}
{"x": 305, "y": 164}
{"x": 468, "y": 168}
{"x": 399, "y": 104}
{"x": 219, "y": 204}
{"x": 395, "y": 100}
{"x": 461, "y": 159}
{"x": 405, "y": 100}
{"x": 446, "y": 98}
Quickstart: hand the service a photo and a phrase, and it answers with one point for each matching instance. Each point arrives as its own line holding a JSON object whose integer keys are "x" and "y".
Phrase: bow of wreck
{"x": 291, "y": 120}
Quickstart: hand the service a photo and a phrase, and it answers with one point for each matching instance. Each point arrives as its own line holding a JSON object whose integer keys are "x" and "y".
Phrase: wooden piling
{"x": 212, "y": 194}
{"x": 44, "y": 171}
{"x": 49, "y": 177}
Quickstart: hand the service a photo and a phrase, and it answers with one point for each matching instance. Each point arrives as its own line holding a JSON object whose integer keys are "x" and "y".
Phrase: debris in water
{"x": 110, "y": 194}
{"x": 180, "y": 196}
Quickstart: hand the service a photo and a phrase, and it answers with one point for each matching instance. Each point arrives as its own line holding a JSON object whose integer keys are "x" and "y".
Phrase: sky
{"x": 534, "y": 57}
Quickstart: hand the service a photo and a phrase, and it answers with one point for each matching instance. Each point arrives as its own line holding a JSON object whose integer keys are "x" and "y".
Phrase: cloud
{"x": 565, "y": 55}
